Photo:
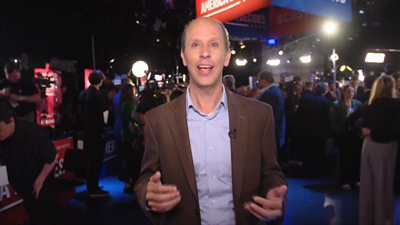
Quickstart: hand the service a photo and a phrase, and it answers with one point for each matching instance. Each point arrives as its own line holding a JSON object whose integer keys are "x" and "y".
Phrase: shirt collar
{"x": 189, "y": 103}
{"x": 266, "y": 88}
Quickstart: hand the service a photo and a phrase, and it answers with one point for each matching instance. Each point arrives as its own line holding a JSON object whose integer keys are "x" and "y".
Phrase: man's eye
{"x": 195, "y": 45}
{"x": 214, "y": 44}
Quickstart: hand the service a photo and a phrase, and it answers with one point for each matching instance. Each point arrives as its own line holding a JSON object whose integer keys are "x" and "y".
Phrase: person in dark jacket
{"x": 92, "y": 112}
{"x": 30, "y": 157}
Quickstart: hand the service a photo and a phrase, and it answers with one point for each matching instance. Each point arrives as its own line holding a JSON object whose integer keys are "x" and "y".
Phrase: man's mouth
{"x": 204, "y": 68}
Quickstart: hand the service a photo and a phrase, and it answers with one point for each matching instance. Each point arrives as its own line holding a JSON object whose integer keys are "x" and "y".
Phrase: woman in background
{"x": 378, "y": 158}
{"x": 129, "y": 160}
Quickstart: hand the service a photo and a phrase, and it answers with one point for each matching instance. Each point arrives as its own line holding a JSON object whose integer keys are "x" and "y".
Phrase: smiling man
{"x": 210, "y": 155}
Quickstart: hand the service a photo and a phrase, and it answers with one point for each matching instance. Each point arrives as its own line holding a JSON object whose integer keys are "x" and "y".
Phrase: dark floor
{"x": 310, "y": 201}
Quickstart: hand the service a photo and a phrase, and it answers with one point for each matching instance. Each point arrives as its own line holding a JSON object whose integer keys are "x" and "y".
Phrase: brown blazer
{"x": 254, "y": 166}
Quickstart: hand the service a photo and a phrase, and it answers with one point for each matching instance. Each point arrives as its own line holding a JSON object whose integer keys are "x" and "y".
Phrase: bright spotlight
{"x": 330, "y": 28}
{"x": 140, "y": 68}
{"x": 280, "y": 52}
{"x": 273, "y": 62}
{"x": 372, "y": 57}
{"x": 241, "y": 62}
{"x": 233, "y": 51}
{"x": 305, "y": 59}
{"x": 254, "y": 59}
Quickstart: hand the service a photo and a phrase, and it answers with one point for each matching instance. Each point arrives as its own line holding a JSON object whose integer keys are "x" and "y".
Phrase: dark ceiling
{"x": 129, "y": 29}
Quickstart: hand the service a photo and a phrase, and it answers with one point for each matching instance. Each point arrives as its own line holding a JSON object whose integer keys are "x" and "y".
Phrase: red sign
{"x": 62, "y": 146}
{"x": 50, "y": 86}
{"x": 285, "y": 22}
{"x": 227, "y": 10}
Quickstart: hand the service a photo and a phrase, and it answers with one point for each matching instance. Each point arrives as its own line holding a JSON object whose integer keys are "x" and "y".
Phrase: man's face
{"x": 13, "y": 76}
{"x": 6, "y": 129}
{"x": 205, "y": 53}
{"x": 349, "y": 93}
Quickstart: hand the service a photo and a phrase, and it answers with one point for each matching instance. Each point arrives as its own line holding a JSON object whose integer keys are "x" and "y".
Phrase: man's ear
{"x": 227, "y": 58}
{"x": 183, "y": 58}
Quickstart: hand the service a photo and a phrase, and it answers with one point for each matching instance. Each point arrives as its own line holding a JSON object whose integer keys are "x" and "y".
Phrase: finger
{"x": 275, "y": 203}
{"x": 265, "y": 214}
{"x": 160, "y": 198}
{"x": 249, "y": 209}
{"x": 156, "y": 177}
{"x": 277, "y": 192}
{"x": 161, "y": 189}
{"x": 165, "y": 206}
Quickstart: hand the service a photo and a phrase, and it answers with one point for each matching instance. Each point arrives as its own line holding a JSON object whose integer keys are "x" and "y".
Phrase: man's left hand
{"x": 269, "y": 208}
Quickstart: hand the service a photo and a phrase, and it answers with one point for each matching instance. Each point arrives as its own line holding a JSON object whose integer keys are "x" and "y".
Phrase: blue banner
{"x": 336, "y": 9}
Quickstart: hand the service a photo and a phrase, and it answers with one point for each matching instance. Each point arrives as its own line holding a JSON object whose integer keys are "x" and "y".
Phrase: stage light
{"x": 280, "y": 52}
{"x": 330, "y": 28}
{"x": 305, "y": 59}
{"x": 241, "y": 62}
{"x": 140, "y": 68}
{"x": 273, "y": 62}
{"x": 233, "y": 51}
{"x": 255, "y": 60}
{"x": 272, "y": 41}
{"x": 374, "y": 57}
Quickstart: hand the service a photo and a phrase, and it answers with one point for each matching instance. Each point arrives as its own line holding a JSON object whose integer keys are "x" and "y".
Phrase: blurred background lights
{"x": 373, "y": 57}
{"x": 140, "y": 68}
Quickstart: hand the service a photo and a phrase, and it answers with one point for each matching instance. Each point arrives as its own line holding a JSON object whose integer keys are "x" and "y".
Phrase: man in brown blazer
{"x": 210, "y": 155}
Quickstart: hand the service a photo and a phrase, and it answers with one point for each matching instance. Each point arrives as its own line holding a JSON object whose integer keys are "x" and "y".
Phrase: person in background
{"x": 378, "y": 157}
{"x": 229, "y": 82}
{"x": 271, "y": 94}
{"x": 396, "y": 77}
{"x": 347, "y": 138}
{"x": 30, "y": 157}
{"x": 92, "y": 107}
{"x": 131, "y": 157}
{"x": 210, "y": 155}
{"x": 291, "y": 106}
{"x": 313, "y": 128}
{"x": 21, "y": 93}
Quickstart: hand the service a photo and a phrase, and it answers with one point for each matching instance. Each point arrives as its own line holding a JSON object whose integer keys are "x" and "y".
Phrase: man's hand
{"x": 159, "y": 197}
{"x": 269, "y": 208}
{"x": 366, "y": 131}
{"x": 37, "y": 186}
{"x": 4, "y": 93}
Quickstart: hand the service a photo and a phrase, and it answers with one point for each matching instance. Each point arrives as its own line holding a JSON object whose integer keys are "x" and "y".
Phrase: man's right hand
{"x": 159, "y": 197}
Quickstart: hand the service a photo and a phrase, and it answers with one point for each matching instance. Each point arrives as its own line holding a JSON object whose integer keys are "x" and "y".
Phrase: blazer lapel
{"x": 179, "y": 128}
{"x": 238, "y": 121}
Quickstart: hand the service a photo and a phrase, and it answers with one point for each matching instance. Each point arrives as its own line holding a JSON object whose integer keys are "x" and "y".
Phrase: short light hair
{"x": 384, "y": 86}
{"x": 225, "y": 32}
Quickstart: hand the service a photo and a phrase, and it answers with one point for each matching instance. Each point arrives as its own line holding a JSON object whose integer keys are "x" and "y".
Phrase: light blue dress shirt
{"x": 211, "y": 153}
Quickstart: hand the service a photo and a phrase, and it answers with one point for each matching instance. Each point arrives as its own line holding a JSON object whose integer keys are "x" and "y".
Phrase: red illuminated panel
{"x": 87, "y": 73}
{"x": 286, "y": 22}
{"x": 227, "y": 10}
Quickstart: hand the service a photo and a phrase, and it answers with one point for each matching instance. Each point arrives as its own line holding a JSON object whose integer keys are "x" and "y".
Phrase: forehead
{"x": 204, "y": 28}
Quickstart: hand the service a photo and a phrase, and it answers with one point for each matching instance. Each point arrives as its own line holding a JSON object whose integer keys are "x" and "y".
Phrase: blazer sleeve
{"x": 272, "y": 175}
{"x": 150, "y": 165}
